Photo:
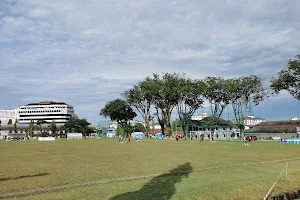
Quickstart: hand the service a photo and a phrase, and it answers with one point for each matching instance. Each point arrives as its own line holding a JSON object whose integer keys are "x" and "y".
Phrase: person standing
{"x": 177, "y": 137}
{"x": 245, "y": 142}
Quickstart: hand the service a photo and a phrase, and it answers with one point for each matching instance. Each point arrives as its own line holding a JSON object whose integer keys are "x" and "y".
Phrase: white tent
{"x": 137, "y": 135}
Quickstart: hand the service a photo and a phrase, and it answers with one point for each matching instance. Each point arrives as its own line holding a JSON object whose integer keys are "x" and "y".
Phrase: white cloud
{"x": 91, "y": 51}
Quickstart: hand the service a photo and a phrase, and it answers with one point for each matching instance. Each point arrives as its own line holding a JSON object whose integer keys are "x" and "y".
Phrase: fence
{"x": 46, "y": 138}
{"x": 74, "y": 136}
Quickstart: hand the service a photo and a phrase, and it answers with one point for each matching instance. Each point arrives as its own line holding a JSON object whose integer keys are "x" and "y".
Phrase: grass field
{"x": 210, "y": 170}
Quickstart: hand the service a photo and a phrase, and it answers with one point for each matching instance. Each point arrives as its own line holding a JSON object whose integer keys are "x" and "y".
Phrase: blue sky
{"x": 86, "y": 53}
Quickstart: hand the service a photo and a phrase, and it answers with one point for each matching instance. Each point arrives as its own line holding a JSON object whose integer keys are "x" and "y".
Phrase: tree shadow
{"x": 25, "y": 176}
{"x": 159, "y": 187}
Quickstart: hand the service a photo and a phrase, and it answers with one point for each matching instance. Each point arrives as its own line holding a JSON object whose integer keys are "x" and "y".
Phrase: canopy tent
{"x": 137, "y": 135}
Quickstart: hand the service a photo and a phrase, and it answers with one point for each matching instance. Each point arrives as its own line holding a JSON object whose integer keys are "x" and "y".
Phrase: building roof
{"x": 289, "y": 126}
{"x": 221, "y": 122}
{"x": 46, "y": 103}
{"x": 272, "y": 129}
{"x": 294, "y": 123}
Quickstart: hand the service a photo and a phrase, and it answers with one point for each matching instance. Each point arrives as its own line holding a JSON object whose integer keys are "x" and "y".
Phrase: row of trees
{"x": 42, "y": 128}
{"x": 169, "y": 92}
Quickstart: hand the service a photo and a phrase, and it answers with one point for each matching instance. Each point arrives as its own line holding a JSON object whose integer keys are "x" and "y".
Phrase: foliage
{"x": 15, "y": 127}
{"x": 74, "y": 124}
{"x": 9, "y": 121}
{"x": 210, "y": 122}
{"x": 53, "y": 129}
{"x": 190, "y": 99}
{"x": 176, "y": 126}
{"x": 245, "y": 92}
{"x": 166, "y": 93}
{"x": 140, "y": 97}
{"x": 139, "y": 127}
{"x": 31, "y": 129}
{"x": 118, "y": 110}
{"x": 288, "y": 79}
{"x": 216, "y": 92}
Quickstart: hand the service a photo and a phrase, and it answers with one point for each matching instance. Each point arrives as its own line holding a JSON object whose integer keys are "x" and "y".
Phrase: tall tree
{"x": 140, "y": 97}
{"x": 53, "y": 128}
{"x": 139, "y": 127}
{"x": 216, "y": 92}
{"x": 217, "y": 95}
{"x": 74, "y": 124}
{"x": 15, "y": 127}
{"x": 31, "y": 129}
{"x": 189, "y": 100}
{"x": 120, "y": 111}
{"x": 166, "y": 93}
{"x": 288, "y": 79}
{"x": 245, "y": 92}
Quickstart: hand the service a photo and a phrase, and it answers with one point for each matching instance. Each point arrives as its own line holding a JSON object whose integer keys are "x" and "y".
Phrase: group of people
{"x": 121, "y": 139}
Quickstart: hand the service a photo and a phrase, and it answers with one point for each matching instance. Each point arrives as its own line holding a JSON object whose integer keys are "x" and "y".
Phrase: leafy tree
{"x": 38, "y": 126}
{"x": 176, "y": 126}
{"x": 15, "y": 127}
{"x": 288, "y": 79}
{"x": 245, "y": 92}
{"x": 74, "y": 124}
{"x": 190, "y": 99}
{"x": 90, "y": 130}
{"x": 140, "y": 97}
{"x": 210, "y": 122}
{"x": 216, "y": 92}
{"x": 9, "y": 121}
{"x": 139, "y": 127}
{"x": 53, "y": 128}
{"x": 31, "y": 129}
{"x": 166, "y": 93}
{"x": 120, "y": 111}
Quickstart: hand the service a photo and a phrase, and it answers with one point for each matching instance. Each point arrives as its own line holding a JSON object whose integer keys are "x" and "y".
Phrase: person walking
{"x": 129, "y": 139}
{"x": 245, "y": 142}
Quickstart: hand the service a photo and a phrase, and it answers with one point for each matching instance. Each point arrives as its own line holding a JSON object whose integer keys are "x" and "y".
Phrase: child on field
{"x": 245, "y": 142}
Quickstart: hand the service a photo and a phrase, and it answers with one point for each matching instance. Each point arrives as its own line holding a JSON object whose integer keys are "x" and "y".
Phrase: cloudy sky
{"x": 87, "y": 52}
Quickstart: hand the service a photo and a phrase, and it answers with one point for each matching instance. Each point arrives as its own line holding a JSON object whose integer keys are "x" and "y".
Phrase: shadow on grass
{"x": 26, "y": 176}
{"x": 159, "y": 187}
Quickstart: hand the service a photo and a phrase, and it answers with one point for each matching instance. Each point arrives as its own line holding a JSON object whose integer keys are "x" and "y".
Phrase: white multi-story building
{"x": 6, "y": 115}
{"x": 45, "y": 111}
{"x": 252, "y": 121}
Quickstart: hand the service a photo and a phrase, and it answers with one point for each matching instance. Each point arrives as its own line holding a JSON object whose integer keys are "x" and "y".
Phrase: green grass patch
{"x": 33, "y": 165}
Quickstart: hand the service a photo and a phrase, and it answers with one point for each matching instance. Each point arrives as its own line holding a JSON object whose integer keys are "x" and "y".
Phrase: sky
{"x": 87, "y": 52}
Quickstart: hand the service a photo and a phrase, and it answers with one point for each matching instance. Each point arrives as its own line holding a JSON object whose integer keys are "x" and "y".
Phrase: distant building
{"x": 226, "y": 129}
{"x": 295, "y": 118}
{"x": 6, "y": 115}
{"x": 199, "y": 117}
{"x": 48, "y": 111}
{"x": 253, "y": 121}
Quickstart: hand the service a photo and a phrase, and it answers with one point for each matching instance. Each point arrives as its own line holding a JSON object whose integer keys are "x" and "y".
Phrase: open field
{"x": 210, "y": 170}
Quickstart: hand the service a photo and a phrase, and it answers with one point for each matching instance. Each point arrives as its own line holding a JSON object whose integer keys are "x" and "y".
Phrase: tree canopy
{"x": 288, "y": 79}
{"x": 118, "y": 110}
{"x": 74, "y": 124}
